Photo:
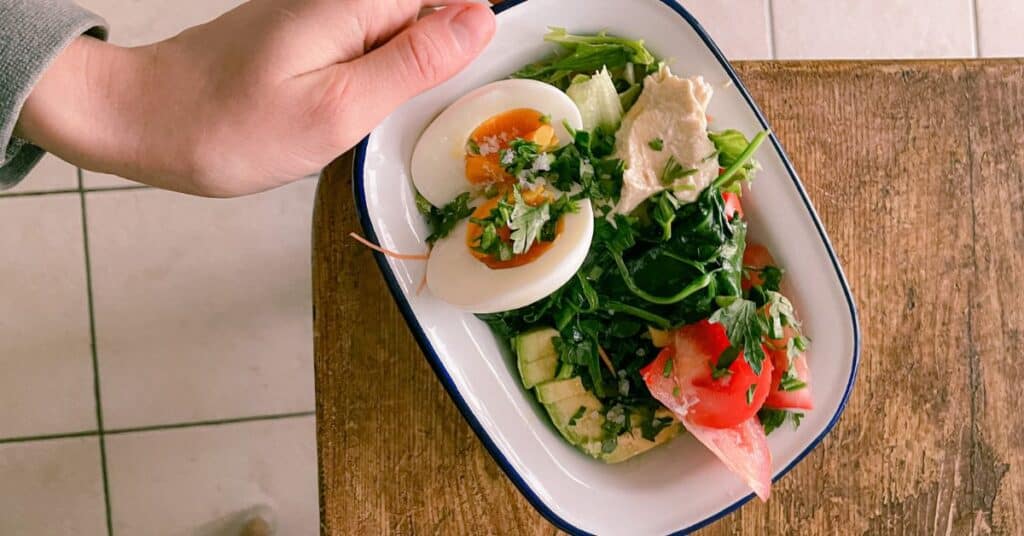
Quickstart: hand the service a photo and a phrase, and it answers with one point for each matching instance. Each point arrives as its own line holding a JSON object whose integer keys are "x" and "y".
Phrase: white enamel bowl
{"x": 675, "y": 488}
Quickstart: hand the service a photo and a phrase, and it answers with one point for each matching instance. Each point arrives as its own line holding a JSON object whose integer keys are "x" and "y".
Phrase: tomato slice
{"x": 799, "y": 398}
{"x": 755, "y": 256}
{"x": 732, "y": 205}
{"x": 712, "y": 402}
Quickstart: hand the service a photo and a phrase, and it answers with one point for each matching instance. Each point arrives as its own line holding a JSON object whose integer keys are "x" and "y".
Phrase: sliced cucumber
{"x": 553, "y": 391}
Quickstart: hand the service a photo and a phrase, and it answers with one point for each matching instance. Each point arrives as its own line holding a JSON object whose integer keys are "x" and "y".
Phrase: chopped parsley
{"x": 667, "y": 371}
{"x": 442, "y": 220}
{"x": 772, "y": 419}
{"x": 578, "y": 415}
{"x": 750, "y": 393}
{"x": 649, "y": 429}
{"x": 673, "y": 171}
{"x": 519, "y": 157}
{"x": 472, "y": 147}
{"x": 545, "y": 119}
{"x": 656, "y": 144}
{"x": 744, "y": 326}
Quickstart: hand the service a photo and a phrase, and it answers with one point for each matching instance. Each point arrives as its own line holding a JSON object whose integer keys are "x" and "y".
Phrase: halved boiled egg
{"x": 460, "y": 275}
{"x": 460, "y": 150}
{"x": 483, "y": 266}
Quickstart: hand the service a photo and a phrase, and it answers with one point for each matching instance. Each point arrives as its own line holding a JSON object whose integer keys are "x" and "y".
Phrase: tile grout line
{"x": 976, "y": 28}
{"x": 770, "y": 16}
{"x": 47, "y": 437}
{"x": 217, "y": 422}
{"x": 158, "y": 427}
{"x": 95, "y": 359}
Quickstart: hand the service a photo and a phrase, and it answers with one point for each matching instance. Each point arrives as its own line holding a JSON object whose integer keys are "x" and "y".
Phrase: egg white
{"x": 439, "y": 160}
{"x": 457, "y": 277}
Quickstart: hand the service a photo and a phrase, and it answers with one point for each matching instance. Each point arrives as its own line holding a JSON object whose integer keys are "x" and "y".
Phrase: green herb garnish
{"x": 656, "y": 144}
{"x": 442, "y": 220}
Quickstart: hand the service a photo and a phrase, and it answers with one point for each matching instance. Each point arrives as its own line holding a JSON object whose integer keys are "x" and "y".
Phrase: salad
{"x": 585, "y": 211}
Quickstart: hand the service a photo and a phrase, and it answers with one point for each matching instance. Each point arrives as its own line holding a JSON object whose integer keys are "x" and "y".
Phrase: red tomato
{"x": 702, "y": 399}
{"x": 777, "y": 398}
{"x": 732, "y": 205}
{"x": 755, "y": 256}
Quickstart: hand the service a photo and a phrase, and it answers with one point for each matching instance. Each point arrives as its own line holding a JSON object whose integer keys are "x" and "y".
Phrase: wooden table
{"x": 916, "y": 170}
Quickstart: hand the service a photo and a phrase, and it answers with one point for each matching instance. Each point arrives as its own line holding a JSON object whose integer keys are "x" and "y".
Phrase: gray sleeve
{"x": 32, "y": 34}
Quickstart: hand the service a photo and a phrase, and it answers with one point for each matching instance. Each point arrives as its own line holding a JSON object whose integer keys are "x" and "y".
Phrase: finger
{"x": 427, "y": 53}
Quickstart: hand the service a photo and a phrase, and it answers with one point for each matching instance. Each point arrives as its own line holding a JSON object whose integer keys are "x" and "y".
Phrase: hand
{"x": 264, "y": 94}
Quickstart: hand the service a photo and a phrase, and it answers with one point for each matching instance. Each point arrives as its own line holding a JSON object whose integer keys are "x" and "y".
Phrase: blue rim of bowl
{"x": 453, "y": 392}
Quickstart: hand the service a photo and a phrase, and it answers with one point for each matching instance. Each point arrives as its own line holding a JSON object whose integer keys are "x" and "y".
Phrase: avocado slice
{"x": 632, "y": 443}
{"x": 538, "y": 371}
{"x": 577, "y": 414}
{"x": 535, "y": 344}
{"x": 578, "y": 418}
{"x": 553, "y": 391}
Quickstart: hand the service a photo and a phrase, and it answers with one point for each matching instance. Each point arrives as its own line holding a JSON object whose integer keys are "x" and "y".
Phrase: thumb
{"x": 425, "y": 54}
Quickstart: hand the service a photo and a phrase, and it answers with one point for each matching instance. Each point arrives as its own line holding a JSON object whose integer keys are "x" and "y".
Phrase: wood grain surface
{"x": 916, "y": 170}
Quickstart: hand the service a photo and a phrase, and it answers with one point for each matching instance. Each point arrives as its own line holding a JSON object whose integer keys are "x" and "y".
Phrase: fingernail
{"x": 473, "y": 26}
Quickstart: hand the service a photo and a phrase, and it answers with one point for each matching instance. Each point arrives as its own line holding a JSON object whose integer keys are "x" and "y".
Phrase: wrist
{"x": 81, "y": 107}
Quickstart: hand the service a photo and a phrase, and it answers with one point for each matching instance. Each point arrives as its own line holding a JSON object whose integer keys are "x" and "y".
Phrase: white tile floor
{"x": 181, "y": 327}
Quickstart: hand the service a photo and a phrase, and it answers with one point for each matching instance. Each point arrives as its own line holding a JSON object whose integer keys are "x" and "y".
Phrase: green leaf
{"x": 738, "y": 167}
{"x": 443, "y": 220}
{"x": 656, "y": 144}
{"x": 519, "y": 156}
{"x": 673, "y": 171}
{"x": 744, "y": 328}
{"x": 772, "y": 419}
{"x": 526, "y": 223}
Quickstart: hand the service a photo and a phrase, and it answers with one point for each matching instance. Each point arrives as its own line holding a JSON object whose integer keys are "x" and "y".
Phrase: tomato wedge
{"x": 755, "y": 256}
{"x": 712, "y": 402}
{"x": 732, "y": 205}
{"x": 715, "y": 411}
{"x": 797, "y": 398}
{"x": 743, "y": 449}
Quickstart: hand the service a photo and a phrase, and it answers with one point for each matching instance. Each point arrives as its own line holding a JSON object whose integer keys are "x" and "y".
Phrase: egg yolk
{"x": 534, "y": 198}
{"x": 496, "y": 133}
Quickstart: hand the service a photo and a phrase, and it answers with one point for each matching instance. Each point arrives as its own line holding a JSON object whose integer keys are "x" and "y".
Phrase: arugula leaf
{"x": 744, "y": 328}
{"x": 585, "y": 54}
{"x": 442, "y": 220}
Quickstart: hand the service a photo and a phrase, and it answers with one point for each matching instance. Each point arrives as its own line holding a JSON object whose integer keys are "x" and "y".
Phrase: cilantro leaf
{"x": 744, "y": 328}
{"x": 526, "y": 223}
